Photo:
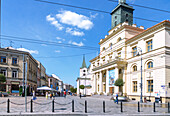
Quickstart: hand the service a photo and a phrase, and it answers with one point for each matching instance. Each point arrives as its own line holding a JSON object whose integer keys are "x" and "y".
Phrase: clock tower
{"x": 122, "y": 13}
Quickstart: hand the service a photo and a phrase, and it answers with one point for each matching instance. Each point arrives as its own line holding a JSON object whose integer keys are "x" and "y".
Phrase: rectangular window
{"x": 134, "y": 86}
{"x": 150, "y": 85}
{"x": 14, "y": 74}
{"x": 149, "y": 46}
{"x": 14, "y": 60}
{"x": 3, "y": 71}
{"x": 134, "y": 51}
{"x": 3, "y": 59}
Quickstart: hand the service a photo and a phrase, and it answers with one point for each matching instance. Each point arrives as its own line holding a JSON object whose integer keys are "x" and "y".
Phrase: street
{"x": 64, "y": 106}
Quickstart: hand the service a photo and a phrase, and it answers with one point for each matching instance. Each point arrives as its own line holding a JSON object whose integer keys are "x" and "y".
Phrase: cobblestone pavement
{"x": 64, "y": 106}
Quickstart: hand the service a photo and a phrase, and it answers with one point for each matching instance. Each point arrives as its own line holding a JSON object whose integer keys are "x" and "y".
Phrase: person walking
{"x": 46, "y": 95}
{"x": 80, "y": 95}
{"x": 117, "y": 98}
{"x": 65, "y": 94}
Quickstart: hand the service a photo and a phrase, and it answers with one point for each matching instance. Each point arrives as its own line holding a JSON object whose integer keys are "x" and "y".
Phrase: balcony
{"x": 117, "y": 61}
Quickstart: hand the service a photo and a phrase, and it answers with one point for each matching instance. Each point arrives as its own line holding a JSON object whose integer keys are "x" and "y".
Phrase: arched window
{"x": 103, "y": 49}
{"x": 126, "y": 15}
{"x": 119, "y": 39}
{"x": 134, "y": 68}
{"x": 149, "y": 65}
{"x": 115, "y": 17}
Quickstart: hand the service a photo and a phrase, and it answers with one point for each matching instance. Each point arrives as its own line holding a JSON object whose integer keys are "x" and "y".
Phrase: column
{"x": 107, "y": 81}
{"x": 78, "y": 89}
{"x": 116, "y": 89}
{"x": 95, "y": 82}
{"x": 100, "y": 82}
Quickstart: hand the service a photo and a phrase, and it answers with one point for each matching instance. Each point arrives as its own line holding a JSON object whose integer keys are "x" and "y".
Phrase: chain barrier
{"x": 3, "y": 102}
{"x": 62, "y": 104}
{"x": 18, "y": 103}
{"x": 42, "y": 103}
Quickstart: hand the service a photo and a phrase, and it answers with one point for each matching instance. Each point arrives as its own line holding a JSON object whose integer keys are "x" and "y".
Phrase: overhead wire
{"x": 67, "y": 55}
{"x": 91, "y": 9}
{"x": 22, "y": 39}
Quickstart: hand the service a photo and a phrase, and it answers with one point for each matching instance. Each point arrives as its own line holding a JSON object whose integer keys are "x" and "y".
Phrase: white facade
{"x": 84, "y": 79}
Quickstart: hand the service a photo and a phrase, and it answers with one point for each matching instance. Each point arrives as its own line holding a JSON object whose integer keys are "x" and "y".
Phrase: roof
{"x": 84, "y": 63}
{"x": 56, "y": 77}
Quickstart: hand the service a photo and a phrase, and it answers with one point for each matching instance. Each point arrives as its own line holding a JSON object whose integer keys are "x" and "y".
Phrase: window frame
{"x": 16, "y": 74}
{"x": 134, "y": 51}
{"x": 150, "y": 86}
{"x": 135, "y": 68}
{"x": 150, "y": 65}
{"x": 15, "y": 61}
{"x": 135, "y": 86}
{"x": 2, "y": 60}
{"x": 149, "y": 45}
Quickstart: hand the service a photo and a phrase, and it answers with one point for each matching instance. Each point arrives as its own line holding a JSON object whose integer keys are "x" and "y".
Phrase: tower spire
{"x": 84, "y": 63}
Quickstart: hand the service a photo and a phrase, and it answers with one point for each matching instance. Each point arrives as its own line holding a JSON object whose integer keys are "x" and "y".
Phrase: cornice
{"x": 120, "y": 29}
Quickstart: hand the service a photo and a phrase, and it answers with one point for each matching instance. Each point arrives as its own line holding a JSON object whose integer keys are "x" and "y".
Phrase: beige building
{"x": 11, "y": 65}
{"x": 120, "y": 57}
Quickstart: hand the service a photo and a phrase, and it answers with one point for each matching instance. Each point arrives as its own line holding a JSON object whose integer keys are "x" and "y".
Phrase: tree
{"x": 2, "y": 78}
{"x": 73, "y": 90}
{"x": 81, "y": 86}
{"x": 119, "y": 82}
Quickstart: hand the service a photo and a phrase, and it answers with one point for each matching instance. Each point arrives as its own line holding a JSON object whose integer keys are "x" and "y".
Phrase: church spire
{"x": 84, "y": 63}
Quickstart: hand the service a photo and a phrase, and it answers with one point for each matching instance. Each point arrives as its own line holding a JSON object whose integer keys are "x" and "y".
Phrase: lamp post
{"x": 141, "y": 101}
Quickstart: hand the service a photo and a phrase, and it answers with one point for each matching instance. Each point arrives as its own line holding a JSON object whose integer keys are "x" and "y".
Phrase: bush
{"x": 119, "y": 82}
{"x": 20, "y": 90}
{"x": 81, "y": 86}
{"x": 101, "y": 93}
{"x": 2, "y": 78}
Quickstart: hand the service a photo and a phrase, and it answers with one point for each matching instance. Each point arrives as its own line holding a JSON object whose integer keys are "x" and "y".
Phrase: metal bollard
{"x": 53, "y": 105}
{"x": 72, "y": 105}
{"x": 138, "y": 107}
{"x": 121, "y": 107}
{"x": 8, "y": 106}
{"x": 104, "y": 106}
{"x": 168, "y": 108}
{"x": 31, "y": 106}
{"x": 154, "y": 107}
{"x": 85, "y": 106}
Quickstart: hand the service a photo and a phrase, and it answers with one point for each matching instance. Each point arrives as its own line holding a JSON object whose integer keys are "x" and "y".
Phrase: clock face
{"x": 122, "y": 1}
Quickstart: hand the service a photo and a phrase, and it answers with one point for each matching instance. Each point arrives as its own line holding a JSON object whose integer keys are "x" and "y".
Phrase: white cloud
{"x": 57, "y": 51}
{"x": 54, "y": 22}
{"x": 74, "y": 32}
{"x": 43, "y": 45}
{"x": 49, "y": 18}
{"x": 59, "y": 41}
{"x": 84, "y": 39}
{"x": 77, "y": 44}
{"x": 92, "y": 16}
{"x": 30, "y": 51}
{"x": 74, "y": 19}
{"x": 59, "y": 38}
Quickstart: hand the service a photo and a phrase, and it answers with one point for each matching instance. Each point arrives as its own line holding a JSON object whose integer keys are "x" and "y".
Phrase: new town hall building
{"x": 120, "y": 57}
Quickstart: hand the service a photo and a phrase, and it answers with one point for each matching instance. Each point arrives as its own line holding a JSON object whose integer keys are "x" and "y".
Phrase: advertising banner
{"x": 111, "y": 77}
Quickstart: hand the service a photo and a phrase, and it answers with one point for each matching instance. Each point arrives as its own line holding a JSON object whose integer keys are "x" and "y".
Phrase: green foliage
{"x": 119, "y": 82}
{"x": 2, "y": 78}
{"x": 73, "y": 90}
{"x": 20, "y": 90}
{"x": 81, "y": 86}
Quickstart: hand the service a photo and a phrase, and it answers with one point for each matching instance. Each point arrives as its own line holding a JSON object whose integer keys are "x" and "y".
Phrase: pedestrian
{"x": 80, "y": 95}
{"x": 65, "y": 94}
{"x": 53, "y": 95}
{"x": 33, "y": 96}
{"x": 117, "y": 98}
{"x": 50, "y": 95}
{"x": 46, "y": 95}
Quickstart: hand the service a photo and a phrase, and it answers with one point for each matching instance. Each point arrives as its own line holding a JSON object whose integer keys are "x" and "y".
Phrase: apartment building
{"x": 11, "y": 65}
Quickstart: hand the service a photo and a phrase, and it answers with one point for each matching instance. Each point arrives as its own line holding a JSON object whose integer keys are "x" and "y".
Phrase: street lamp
{"x": 141, "y": 101}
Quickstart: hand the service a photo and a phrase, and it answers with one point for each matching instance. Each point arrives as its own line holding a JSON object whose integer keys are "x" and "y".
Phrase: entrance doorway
{"x": 111, "y": 90}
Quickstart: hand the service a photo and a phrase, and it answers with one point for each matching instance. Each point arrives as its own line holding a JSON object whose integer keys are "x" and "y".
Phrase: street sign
{"x": 162, "y": 85}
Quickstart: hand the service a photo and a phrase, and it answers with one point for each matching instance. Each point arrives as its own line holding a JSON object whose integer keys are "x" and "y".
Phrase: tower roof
{"x": 84, "y": 63}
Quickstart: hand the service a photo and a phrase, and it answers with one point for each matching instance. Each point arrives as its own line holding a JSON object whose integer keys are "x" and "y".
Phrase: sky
{"x": 30, "y": 19}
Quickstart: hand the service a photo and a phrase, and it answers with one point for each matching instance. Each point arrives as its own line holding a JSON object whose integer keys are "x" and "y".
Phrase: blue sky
{"x": 61, "y": 24}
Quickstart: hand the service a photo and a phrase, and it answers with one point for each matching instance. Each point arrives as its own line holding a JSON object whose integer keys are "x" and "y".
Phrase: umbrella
{"x": 45, "y": 88}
